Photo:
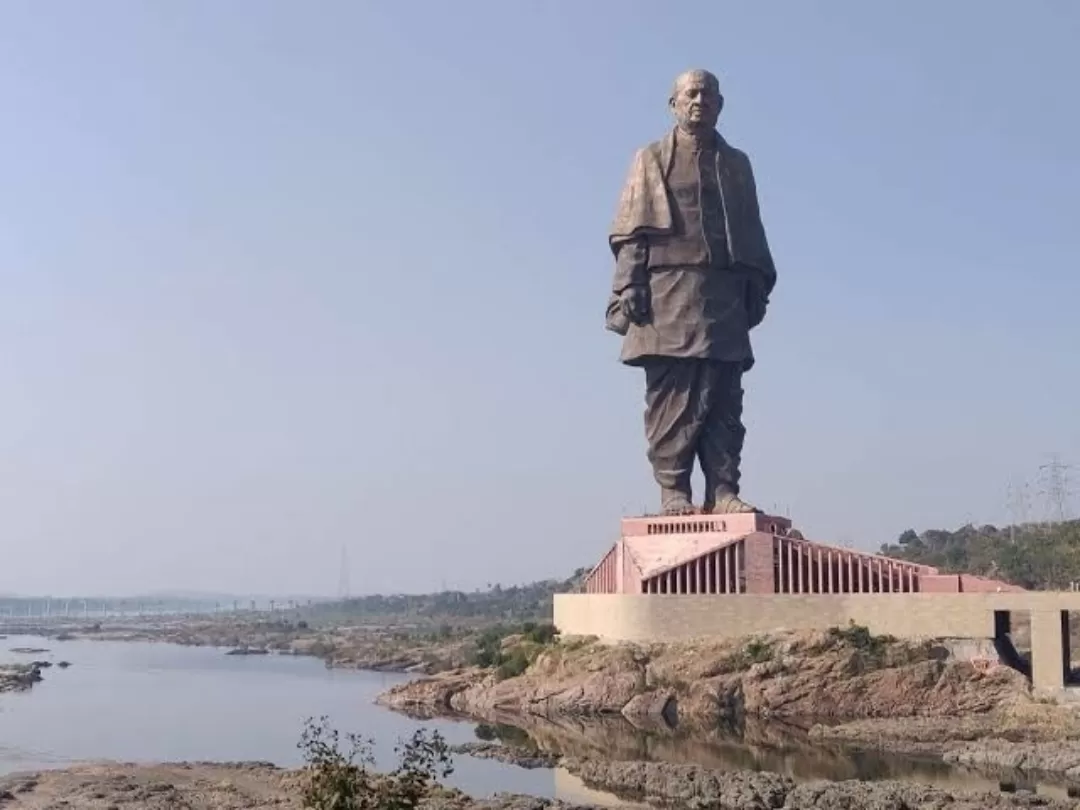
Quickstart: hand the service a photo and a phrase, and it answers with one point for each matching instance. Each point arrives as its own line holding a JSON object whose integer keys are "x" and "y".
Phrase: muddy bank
{"x": 522, "y": 757}
{"x": 694, "y": 786}
{"x": 1031, "y": 738}
{"x": 257, "y": 786}
{"x": 198, "y": 786}
{"x": 1054, "y": 758}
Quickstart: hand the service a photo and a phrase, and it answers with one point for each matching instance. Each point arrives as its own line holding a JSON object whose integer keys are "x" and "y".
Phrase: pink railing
{"x": 803, "y": 567}
{"x": 604, "y": 578}
{"x": 719, "y": 571}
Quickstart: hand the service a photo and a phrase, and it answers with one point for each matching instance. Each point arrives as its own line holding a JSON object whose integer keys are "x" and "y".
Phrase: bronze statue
{"x": 693, "y": 275}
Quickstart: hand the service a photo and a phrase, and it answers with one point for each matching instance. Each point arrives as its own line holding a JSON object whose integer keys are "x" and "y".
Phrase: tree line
{"x": 1034, "y": 556}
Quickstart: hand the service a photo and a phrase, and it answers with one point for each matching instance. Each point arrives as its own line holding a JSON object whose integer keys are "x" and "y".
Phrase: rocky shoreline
{"x": 670, "y": 785}
{"x": 20, "y": 677}
{"x": 261, "y": 786}
{"x": 375, "y": 648}
{"x": 837, "y": 675}
{"x": 857, "y": 691}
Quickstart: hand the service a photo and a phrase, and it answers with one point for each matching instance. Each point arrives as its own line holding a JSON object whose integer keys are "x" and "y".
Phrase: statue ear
{"x": 720, "y": 103}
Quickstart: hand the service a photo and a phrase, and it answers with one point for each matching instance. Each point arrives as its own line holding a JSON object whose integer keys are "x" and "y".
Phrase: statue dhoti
{"x": 693, "y": 274}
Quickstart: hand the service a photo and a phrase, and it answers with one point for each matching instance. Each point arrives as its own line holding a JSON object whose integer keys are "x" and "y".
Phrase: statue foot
{"x": 728, "y": 503}
{"x": 674, "y": 502}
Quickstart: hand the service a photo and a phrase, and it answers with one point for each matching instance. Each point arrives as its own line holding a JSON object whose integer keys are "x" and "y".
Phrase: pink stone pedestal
{"x": 718, "y": 554}
{"x": 751, "y": 554}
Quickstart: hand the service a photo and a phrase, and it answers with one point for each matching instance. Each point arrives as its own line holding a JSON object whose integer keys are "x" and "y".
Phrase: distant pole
{"x": 1018, "y": 499}
{"x": 343, "y": 575}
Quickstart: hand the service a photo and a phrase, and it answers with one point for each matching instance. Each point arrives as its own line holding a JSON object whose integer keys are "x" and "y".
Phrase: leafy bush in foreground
{"x": 337, "y": 780}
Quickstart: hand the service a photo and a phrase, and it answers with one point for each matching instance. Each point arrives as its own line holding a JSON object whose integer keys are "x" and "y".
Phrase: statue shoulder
{"x": 648, "y": 152}
{"x": 735, "y": 153}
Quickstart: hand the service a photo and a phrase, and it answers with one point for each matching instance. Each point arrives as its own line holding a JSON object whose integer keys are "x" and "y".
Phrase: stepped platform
{"x": 756, "y": 554}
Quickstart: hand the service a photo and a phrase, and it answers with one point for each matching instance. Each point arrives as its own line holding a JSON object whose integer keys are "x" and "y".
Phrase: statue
{"x": 693, "y": 275}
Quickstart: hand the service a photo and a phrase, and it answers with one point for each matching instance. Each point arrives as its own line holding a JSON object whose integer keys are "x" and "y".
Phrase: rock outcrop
{"x": 837, "y": 674}
{"x": 18, "y": 677}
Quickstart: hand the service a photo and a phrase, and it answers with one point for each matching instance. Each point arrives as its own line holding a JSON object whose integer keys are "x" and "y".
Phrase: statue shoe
{"x": 674, "y": 502}
{"x": 728, "y": 503}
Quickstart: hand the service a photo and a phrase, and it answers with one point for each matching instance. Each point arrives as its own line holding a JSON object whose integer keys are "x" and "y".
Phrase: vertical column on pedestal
{"x": 1047, "y": 650}
{"x": 758, "y": 563}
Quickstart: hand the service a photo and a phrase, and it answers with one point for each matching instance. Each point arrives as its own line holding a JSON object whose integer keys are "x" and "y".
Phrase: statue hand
{"x": 635, "y": 303}
{"x": 757, "y": 301}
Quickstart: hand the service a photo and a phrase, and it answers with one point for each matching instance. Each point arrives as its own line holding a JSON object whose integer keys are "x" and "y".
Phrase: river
{"x": 155, "y": 702}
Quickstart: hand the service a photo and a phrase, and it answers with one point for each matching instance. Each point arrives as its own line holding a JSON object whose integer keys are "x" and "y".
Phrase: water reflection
{"x": 781, "y": 747}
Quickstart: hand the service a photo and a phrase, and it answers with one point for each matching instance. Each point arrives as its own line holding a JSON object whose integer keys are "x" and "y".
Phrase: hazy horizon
{"x": 281, "y": 279}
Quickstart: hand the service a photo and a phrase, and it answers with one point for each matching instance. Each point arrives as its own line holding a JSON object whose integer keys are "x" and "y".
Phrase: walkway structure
{"x": 670, "y": 578}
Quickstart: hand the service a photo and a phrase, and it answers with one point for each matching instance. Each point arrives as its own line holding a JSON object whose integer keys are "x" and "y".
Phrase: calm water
{"x": 142, "y": 702}
{"x": 137, "y": 702}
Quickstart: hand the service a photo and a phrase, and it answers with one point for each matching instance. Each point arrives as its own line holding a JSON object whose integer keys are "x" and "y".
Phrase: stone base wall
{"x": 660, "y": 617}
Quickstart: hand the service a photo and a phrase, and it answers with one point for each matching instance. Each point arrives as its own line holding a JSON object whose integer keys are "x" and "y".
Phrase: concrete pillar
{"x": 758, "y": 563}
{"x": 1047, "y": 651}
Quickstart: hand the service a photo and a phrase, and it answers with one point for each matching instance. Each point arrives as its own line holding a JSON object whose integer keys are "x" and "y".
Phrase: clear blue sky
{"x": 280, "y": 277}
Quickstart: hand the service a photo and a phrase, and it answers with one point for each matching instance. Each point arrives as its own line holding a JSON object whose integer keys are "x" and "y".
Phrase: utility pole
{"x": 343, "y": 575}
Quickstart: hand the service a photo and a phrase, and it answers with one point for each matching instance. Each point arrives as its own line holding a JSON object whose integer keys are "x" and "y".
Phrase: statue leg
{"x": 674, "y": 417}
{"x": 720, "y": 448}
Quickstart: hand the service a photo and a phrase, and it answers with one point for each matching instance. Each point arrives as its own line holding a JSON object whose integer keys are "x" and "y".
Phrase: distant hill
{"x": 1035, "y": 556}
{"x": 532, "y": 601}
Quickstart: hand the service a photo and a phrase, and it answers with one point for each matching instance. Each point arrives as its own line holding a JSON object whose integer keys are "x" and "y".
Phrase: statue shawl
{"x": 645, "y": 207}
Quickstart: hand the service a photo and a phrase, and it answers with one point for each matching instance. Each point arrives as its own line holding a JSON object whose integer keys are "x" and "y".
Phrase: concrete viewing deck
{"x": 726, "y": 576}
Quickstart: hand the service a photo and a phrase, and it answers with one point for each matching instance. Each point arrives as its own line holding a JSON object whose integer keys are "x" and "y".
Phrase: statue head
{"x": 696, "y": 101}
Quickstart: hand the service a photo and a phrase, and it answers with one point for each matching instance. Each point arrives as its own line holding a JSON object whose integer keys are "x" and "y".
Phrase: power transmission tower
{"x": 1054, "y": 476}
{"x": 1018, "y": 499}
{"x": 343, "y": 575}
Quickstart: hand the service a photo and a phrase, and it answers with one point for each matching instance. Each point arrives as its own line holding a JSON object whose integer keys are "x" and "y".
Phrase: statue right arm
{"x": 630, "y": 290}
{"x": 631, "y": 264}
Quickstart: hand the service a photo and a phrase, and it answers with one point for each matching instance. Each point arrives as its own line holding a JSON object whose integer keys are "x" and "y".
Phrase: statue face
{"x": 695, "y": 101}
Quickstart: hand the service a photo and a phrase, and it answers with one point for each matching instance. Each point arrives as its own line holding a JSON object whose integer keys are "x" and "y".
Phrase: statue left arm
{"x": 762, "y": 276}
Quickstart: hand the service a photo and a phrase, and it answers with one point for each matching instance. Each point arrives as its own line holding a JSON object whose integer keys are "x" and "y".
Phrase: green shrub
{"x": 860, "y": 637}
{"x": 337, "y": 780}
{"x": 871, "y": 649}
{"x": 512, "y": 665}
{"x": 509, "y": 663}
{"x": 543, "y": 634}
{"x": 758, "y": 651}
